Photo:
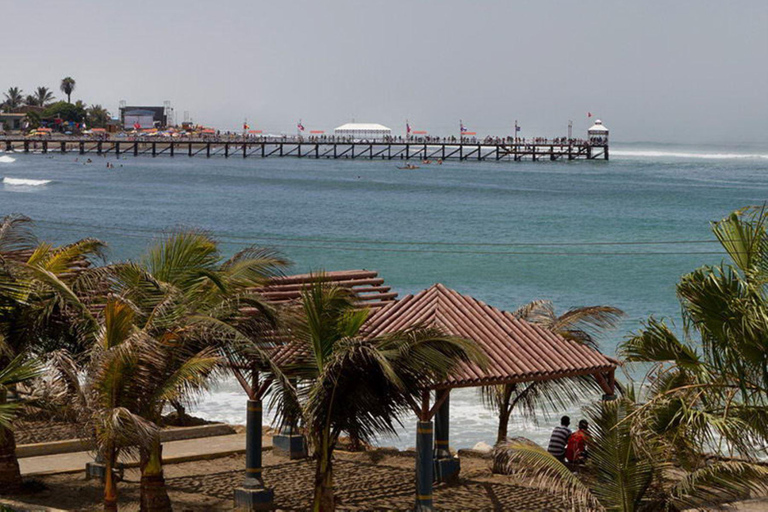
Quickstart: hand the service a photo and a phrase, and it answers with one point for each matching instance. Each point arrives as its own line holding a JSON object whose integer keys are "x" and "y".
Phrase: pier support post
{"x": 117, "y": 149}
{"x": 208, "y": 149}
{"x": 171, "y": 148}
{"x": 154, "y": 149}
{"x": 447, "y": 467}
{"x": 226, "y": 150}
{"x": 245, "y": 150}
{"x": 189, "y": 150}
{"x": 605, "y": 154}
{"x": 99, "y": 147}
{"x": 424, "y": 466}
{"x": 63, "y": 147}
{"x": 135, "y": 149}
{"x": 252, "y": 494}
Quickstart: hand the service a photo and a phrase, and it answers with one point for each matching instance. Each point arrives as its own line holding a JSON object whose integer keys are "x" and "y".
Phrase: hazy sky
{"x": 682, "y": 70}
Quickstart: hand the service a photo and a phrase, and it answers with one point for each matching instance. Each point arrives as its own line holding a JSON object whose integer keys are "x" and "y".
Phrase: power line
{"x": 80, "y": 228}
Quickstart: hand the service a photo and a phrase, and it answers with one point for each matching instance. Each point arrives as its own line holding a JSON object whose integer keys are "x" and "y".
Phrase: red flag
{"x": 589, "y": 114}
{"x": 300, "y": 126}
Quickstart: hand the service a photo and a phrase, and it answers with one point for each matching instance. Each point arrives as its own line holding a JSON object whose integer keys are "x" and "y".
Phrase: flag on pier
{"x": 300, "y": 126}
{"x": 462, "y": 128}
{"x": 589, "y": 114}
{"x": 517, "y": 127}
{"x": 246, "y": 126}
{"x": 407, "y": 128}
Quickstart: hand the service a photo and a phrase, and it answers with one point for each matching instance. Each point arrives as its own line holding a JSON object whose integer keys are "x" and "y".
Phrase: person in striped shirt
{"x": 559, "y": 439}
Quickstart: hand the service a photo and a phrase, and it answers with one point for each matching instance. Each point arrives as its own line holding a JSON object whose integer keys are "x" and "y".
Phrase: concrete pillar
{"x": 252, "y": 494}
{"x": 447, "y": 467}
{"x": 424, "y": 466}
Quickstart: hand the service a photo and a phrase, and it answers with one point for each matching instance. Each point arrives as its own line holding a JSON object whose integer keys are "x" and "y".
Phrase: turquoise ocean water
{"x": 323, "y": 214}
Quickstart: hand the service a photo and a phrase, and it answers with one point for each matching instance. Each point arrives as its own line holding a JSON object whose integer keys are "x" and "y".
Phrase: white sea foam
{"x": 21, "y": 182}
{"x": 676, "y": 154}
{"x": 5, "y": 159}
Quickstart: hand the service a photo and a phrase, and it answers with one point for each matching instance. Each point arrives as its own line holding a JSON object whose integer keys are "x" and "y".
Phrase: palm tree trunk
{"x": 505, "y": 411}
{"x": 10, "y": 476}
{"x": 324, "y": 499}
{"x": 110, "y": 486}
{"x": 154, "y": 494}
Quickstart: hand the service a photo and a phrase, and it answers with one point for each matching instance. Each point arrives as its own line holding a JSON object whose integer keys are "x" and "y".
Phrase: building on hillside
{"x": 363, "y": 131}
{"x": 143, "y": 117}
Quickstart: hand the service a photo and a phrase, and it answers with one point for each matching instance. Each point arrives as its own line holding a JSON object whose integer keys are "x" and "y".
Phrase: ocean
{"x": 579, "y": 233}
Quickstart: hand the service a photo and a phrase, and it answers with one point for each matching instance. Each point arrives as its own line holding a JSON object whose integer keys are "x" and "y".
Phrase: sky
{"x": 683, "y": 71}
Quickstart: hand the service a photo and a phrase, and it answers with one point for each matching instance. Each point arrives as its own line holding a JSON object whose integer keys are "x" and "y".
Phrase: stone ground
{"x": 364, "y": 482}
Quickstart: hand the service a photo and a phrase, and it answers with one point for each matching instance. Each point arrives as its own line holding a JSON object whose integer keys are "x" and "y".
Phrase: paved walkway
{"x": 173, "y": 451}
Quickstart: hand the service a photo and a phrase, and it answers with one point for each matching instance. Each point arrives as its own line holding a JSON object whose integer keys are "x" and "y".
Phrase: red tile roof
{"x": 517, "y": 351}
{"x": 366, "y": 284}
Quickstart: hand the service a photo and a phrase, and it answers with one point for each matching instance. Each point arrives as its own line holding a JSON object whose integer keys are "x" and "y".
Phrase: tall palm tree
{"x": 581, "y": 325}
{"x": 710, "y": 388}
{"x": 353, "y": 383}
{"x": 13, "y": 372}
{"x": 67, "y": 86}
{"x": 14, "y": 98}
{"x": 628, "y": 469}
{"x": 43, "y": 96}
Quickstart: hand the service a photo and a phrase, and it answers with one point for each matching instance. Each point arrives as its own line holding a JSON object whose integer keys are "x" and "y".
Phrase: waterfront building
{"x": 363, "y": 131}
{"x": 143, "y": 117}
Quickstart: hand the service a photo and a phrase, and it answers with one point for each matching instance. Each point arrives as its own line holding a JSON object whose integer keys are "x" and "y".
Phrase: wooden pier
{"x": 329, "y": 149}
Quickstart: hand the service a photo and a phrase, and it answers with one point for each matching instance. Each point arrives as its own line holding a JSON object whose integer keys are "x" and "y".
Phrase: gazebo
{"x": 598, "y": 133}
{"x": 516, "y": 351}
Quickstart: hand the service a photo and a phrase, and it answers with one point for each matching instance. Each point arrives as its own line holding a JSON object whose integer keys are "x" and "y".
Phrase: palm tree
{"x": 628, "y": 469}
{"x": 98, "y": 116}
{"x": 43, "y": 96}
{"x": 191, "y": 303}
{"x": 578, "y": 324}
{"x": 14, "y": 372}
{"x": 710, "y": 388}
{"x": 352, "y": 383}
{"x": 67, "y": 86}
{"x": 39, "y": 311}
{"x": 14, "y": 98}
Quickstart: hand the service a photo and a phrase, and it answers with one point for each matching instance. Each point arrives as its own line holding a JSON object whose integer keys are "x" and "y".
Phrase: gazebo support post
{"x": 447, "y": 467}
{"x": 290, "y": 442}
{"x": 608, "y": 384}
{"x": 252, "y": 494}
{"x": 424, "y": 462}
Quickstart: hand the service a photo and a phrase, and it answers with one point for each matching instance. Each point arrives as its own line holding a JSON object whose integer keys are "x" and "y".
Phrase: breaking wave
{"x": 7, "y": 159}
{"x": 706, "y": 156}
{"x": 21, "y": 182}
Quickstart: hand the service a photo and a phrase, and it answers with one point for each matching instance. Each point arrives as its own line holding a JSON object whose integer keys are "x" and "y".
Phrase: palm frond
{"x": 545, "y": 472}
{"x": 16, "y": 234}
{"x": 719, "y": 482}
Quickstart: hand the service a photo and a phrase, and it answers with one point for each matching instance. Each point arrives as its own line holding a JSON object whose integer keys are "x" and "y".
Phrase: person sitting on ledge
{"x": 576, "y": 451}
{"x": 559, "y": 439}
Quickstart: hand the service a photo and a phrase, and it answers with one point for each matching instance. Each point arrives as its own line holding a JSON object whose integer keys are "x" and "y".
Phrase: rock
{"x": 483, "y": 447}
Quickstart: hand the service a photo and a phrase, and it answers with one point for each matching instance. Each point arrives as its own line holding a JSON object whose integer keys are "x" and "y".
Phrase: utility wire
{"x": 149, "y": 234}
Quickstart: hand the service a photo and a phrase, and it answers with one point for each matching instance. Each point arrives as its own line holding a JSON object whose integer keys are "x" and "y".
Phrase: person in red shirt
{"x": 576, "y": 450}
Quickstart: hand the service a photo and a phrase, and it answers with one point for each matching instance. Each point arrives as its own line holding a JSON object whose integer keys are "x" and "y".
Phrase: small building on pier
{"x": 369, "y": 131}
{"x": 598, "y": 133}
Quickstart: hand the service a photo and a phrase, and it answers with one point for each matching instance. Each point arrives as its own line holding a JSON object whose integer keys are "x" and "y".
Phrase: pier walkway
{"x": 491, "y": 149}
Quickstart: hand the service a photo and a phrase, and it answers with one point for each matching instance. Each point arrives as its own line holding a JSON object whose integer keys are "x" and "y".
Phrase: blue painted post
{"x": 253, "y": 495}
{"x": 447, "y": 467}
{"x": 424, "y": 466}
